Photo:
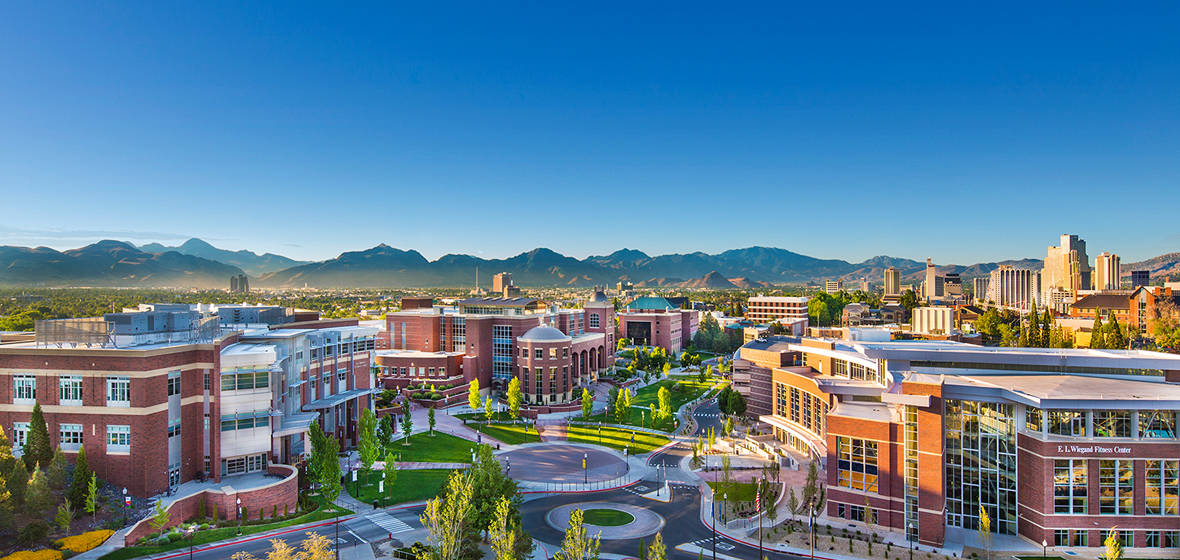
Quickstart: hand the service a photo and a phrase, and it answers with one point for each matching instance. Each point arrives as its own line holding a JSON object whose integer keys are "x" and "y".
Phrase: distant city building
{"x": 979, "y": 287}
{"x": 1135, "y": 309}
{"x": 933, "y": 320}
{"x": 1107, "y": 273}
{"x": 239, "y": 283}
{"x": 952, "y": 284}
{"x": 892, "y": 282}
{"x": 833, "y": 286}
{"x": 768, "y": 309}
{"x": 1140, "y": 278}
{"x": 1014, "y": 287}
{"x": 1066, "y": 269}
{"x": 502, "y": 285}
{"x": 932, "y": 283}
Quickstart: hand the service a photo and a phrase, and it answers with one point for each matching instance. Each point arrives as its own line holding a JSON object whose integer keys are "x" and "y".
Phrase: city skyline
{"x": 993, "y": 134}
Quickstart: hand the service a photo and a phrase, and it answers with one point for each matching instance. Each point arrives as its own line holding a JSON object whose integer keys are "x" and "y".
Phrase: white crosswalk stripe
{"x": 389, "y": 523}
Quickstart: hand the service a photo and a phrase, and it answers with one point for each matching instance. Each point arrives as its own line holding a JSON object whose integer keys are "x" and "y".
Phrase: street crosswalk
{"x": 388, "y": 522}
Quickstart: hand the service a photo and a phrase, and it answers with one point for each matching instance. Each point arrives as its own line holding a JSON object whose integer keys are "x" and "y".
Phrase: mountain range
{"x": 196, "y": 263}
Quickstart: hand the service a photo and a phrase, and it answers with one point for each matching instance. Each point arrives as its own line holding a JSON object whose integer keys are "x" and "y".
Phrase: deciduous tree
{"x": 514, "y": 397}
{"x": 577, "y": 544}
{"x": 446, "y": 519}
{"x": 473, "y": 399}
{"x": 587, "y": 403}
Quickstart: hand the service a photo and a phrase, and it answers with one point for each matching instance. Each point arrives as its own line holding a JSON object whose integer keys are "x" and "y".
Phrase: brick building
{"x": 654, "y": 321}
{"x": 1060, "y": 445}
{"x": 173, "y": 393}
{"x": 496, "y": 339}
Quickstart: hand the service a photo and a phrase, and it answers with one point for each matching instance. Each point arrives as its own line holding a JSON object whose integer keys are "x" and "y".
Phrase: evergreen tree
{"x": 6, "y": 457}
{"x": 80, "y": 486}
{"x": 385, "y": 433}
{"x": 18, "y": 482}
{"x": 408, "y": 422}
{"x": 1046, "y": 328}
{"x": 91, "y": 505}
{"x": 1115, "y": 338}
{"x": 430, "y": 421}
{"x": 1033, "y": 338}
{"x": 37, "y": 450}
{"x": 1096, "y": 336}
{"x": 38, "y": 497}
{"x": 56, "y": 473}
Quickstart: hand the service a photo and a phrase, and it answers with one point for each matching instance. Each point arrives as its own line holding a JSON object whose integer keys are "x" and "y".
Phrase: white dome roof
{"x": 544, "y": 333}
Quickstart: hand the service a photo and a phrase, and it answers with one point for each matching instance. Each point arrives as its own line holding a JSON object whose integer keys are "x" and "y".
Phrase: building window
{"x": 173, "y": 383}
{"x": 70, "y": 390}
{"x": 857, "y": 464}
{"x": 20, "y": 436}
{"x": 118, "y": 439}
{"x": 1060, "y": 537}
{"x": 24, "y": 389}
{"x": 1162, "y": 487}
{"x": 593, "y": 321}
{"x": 207, "y": 384}
{"x": 1152, "y": 539}
{"x": 1116, "y": 483}
{"x": 1067, "y": 423}
{"x": 1126, "y": 538}
{"x": 174, "y": 428}
{"x": 1033, "y": 419}
{"x": 1157, "y": 424}
{"x": 565, "y": 352}
{"x": 119, "y": 391}
{"x": 341, "y": 374}
{"x": 240, "y": 380}
{"x": 1172, "y": 539}
{"x": 856, "y": 513}
{"x": 1069, "y": 486}
{"x": 70, "y": 437}
{"x": 245, "y": 420}
{"x": 244, "y": 464}
{"x": 538, "y": 354}
{"x": 552, "y": 353}
{"x": 1112, "y": 423}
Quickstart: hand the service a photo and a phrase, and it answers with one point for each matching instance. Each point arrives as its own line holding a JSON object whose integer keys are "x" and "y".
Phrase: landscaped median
{"x": 437, "y": 447}
{"x": 511, "y": 434}
{"x": 228, "y": 530}
{"x": 409, "y": 486}
{"x": 616, "y": 438}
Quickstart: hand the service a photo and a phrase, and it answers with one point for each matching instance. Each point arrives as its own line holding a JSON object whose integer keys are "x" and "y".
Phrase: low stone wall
{"x": 256, "y": 502}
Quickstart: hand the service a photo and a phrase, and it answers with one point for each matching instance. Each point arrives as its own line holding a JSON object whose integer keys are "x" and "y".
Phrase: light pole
{"x": 190, "y": 533}
{"x": 1044, "y": 545}
{"x": 909, "y": 534}
{"x": 714, "y": 503}
{"x": 126, "y": 505}
{"x": 585, "y": 475}
{"x": 758, "y": 512}
{"x": 239, "y": 503}
{"x": 336, "y": 545}
{"x": 811, "y": 527}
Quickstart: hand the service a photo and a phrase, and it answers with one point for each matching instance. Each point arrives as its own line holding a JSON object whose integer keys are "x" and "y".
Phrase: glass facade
{"x": 1116, "y": 485}
{"x": 502, "y": 352}
{"x": 911, "y": 472}
{"x": 856, "y": 463}
{"x": 980, "y": 459}
{"x": 1163, "y": 487}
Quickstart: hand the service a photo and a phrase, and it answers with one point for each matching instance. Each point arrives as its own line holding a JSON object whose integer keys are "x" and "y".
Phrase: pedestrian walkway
{"x": 387, "y": 521}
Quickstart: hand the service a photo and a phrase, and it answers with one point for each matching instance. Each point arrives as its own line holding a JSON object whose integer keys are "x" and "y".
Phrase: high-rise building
{"x": 1106, "y": 271}
{"x": 833, "y": 286}
{"x": 768, "y": 309}
{"x": 892, "y": 282}
{"x": 1067, "y": 267}
{"x": 1013, "y": 287}
{"x": 979, "y": 287}
{"x": 239, "y": 283}
{"x": 932, "y": 284}
{"x": 1140, "y": 278}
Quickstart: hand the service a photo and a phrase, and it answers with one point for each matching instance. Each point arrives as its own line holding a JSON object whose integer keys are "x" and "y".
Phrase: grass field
{"x": 616, "y": 438}
{"x": 437, "y": 448}
{"x": 410, "y": 486}
{"x": 512, "y": 434}
{"x": 738, "y": 492}
{"x": 502, "y": 416}
{"x": 607, "y": 517}
{"x": 221, "y": 533}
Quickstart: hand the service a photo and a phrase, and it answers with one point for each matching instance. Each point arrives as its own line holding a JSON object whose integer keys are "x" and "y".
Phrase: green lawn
{"x": 221, "y": 533}
{"x": 512, "y": 434}
{"x": 410, "y": 486}
{"x": 682, "y": 390}
{"x": 738, "y": 492}
{"x": 502, "y": 416}
{"x": 616, "y": 438}
{"x": 607, "y": 517}
{"x": 437, "y": 448}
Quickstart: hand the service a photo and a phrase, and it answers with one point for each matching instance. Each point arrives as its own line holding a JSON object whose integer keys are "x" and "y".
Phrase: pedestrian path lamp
{"x": 910, "y": 537}
{"x": 239, "y": 504}
{"x": 585, "y": 475}
{"x": 1044, "y": 545}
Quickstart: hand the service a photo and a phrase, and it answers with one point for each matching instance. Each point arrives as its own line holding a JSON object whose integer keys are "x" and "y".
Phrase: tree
{"x": 385, "y": 434}
{"x": 502, "y": 533}
{"x": 91, "y": 505}
{"x": 577, "y": 544}
{"x": 64, "y": 516}
{"x": 431, "y": 422}
{"x": 18, "y": 482}
{"x": 664, "y": 397}
{"x": 487, "y": 409}
{"x": 314, "y": 547}
{"x": 473, "y": 399}
{"x": 6, "y": 457}
{"x": 1096, "y": 333}
{"x": 1165, "y": 327}
{"x": 728, "y": 427}
{"x": 368, "y": 447}
{"x": 446, "y": 518}
{"x": 56, "y": 473}
{"x": 1034, "y": 328}
{"x": 626, "y": 396}
{"x": 514, "y": 397}
{"x": 330, "y": 471}
{"x": 160, "y": 517}
{"x": 1046, "y": 328}
{"x": 587, "y": 403}
{"x": 909, "y": 300}
{"x": 491, "y": 486}
{"x": 792, "y": 502}
{"x": 37, "y": 450}
{"x": 737, "y": 404}
{"x": 1113, "y": 545}
{"x": 657, "y": 551}
{"x": 667, "y": 369}
{"x": 38, "y": 497}
{"x": 1115, "y": 339}
{"x": 985, "y": 531}
{"x": 408, "y": 423}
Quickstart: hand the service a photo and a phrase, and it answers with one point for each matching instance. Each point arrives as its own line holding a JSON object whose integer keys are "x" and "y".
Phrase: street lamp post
{"x": 239, "y": 504}
{"x": 714, "y": 503}
{"x": 585, "y": 474}
{"x": 811, "y": 528}
{"x": 126, "y": 505}
{"x": 190, "y": 533}
{"x": 1044, "y": 545}
{"x": 909, "y": 534}
{"x": 758, "y": 496}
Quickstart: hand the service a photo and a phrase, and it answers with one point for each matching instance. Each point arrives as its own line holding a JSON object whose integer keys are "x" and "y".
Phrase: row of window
{"x": 1116, "y": 487}
{"x": 856, "y": 513}
{"x": 1152, "y": 424}
{"x": 24, "y": 390}
{"x": 801, "y": 407}
{"x": 416, "y": 372}
{"x": 245, "y": 380}
{"x": 856, "y": 461}
{"x": 245, "y": 420}
{"x": 70, "y": 437}
{"x": 540, "y": 353}
{"x": 1152, "y": 539}
{"x": 343, "y": 348}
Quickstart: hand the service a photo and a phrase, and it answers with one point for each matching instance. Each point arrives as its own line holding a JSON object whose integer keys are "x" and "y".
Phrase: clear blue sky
{"x": 965, "y": 133}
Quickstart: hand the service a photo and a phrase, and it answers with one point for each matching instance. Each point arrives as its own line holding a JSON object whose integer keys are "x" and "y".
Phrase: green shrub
{"x": 33, "y": 533}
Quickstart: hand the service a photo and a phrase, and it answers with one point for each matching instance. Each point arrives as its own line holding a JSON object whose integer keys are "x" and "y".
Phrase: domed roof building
{"x": 544, "y": 333}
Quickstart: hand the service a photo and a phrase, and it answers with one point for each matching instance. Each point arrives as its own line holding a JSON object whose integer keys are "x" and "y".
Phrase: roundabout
{"x": 616, "y": 521}
{"x": 562, "y": 463}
